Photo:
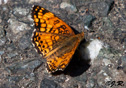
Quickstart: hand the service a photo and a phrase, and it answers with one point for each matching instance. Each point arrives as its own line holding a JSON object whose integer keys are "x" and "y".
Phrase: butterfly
{"x": 54, "y": 39}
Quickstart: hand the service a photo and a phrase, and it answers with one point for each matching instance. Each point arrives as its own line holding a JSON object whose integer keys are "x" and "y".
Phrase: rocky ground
{"x": 22, "y": 67}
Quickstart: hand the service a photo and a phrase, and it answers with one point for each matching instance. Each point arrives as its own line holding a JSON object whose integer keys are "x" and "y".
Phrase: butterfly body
{"x": 54, "y": 39}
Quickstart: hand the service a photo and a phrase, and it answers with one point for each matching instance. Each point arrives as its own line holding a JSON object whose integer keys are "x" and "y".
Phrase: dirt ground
{"x": 22, "y": 67}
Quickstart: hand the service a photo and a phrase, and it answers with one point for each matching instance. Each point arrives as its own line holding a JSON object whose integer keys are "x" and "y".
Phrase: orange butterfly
{"x": 54, "y": 39}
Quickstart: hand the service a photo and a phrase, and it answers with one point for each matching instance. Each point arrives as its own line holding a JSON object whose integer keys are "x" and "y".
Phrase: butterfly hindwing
{"x": 60, "y": 59}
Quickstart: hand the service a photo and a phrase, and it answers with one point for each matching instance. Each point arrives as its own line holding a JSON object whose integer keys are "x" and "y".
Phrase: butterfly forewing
{"x": 46, "y": 21}
{"x": 60, "y": 59}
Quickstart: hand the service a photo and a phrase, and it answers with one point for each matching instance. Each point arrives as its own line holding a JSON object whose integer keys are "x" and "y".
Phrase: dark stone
{"x": 74, "y": 18}
{"x": 82, "y": 78}
{"x": 14, "y": 78}
{"x": 124, "y": 64}
{"x": 2, "y": 41}
{"x": 124, "y": 58}
{"x": 2, "y": 33}
{"x": 1, "y": 53}
{"x": 102, "y": 8}
{"x": 12, "y": 54}
{"x": 88, "y": 20}
{"x": 9, "y": 85}
{"x": 24, "y": 67}
{"x": 24, "y": 42}
{"x": 124, "y": 68}
{"x": 46, "y": 83}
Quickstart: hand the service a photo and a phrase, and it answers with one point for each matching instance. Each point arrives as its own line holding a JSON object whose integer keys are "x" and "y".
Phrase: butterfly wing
{"x": 45, "y": 43}
{"x": 60, "y": 59}
{"x": 46, "y": 21}
{"x": 49, "y": 30}
{"x": 53, "y": 38}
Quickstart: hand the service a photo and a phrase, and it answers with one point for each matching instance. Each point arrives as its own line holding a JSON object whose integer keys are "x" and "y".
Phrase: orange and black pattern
{"x": 54, "y": 39}
{"x": 46, "y": 21}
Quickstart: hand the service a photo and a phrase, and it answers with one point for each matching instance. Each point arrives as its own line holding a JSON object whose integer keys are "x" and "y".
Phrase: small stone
{"x": 91, "y": 83}
{"x": 16, "y": 26}
{"x": 14, "y": 78}
{"x": 0, "y": 20}
{"x": 2, "y": 32}
{"x": 88, "y": 19}
{"x": 24, "y": 42}
{"x": 1, "y": 53}
{"x": 82, "y": 78}
{"x": 124, "y": 59}
{"x": 67, "y": 6}
{"x": 2, "y": 41}
{"x": 107, "y": 24}
{"x": 21, "y": 68}
{"x": 17, "y": 29}
{"x": 74, "y": 19}
{"x": 3, "y": 2}
{"x": 11, "y": 47}
{"x": 124, "y": 63}
{"x": 20, "y": 12}
{"x": 61, "y": 79}
{"x": 34, "y": 1}
{"x": 9, "y": 85}
{"x": 72, "y": 16}
{"x": 46, "y": 83}
{"x": 124, "y": 68}
{"x": 102, "y": 8}
{"x": 106, "y": 62}
{"x": 0, "y": 2}
{"x": 11, "y": 55}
